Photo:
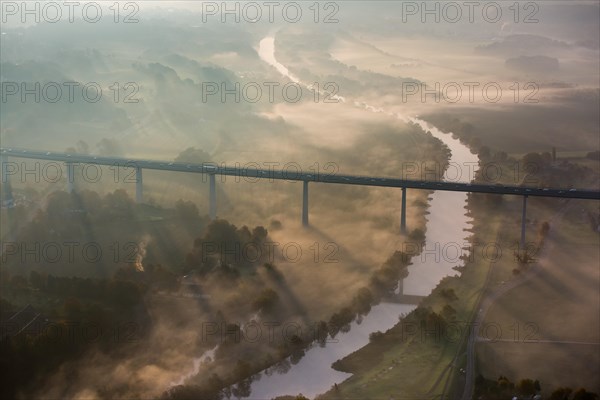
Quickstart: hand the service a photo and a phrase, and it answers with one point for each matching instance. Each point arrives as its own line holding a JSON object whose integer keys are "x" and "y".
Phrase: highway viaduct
{"x": 212, "y": 170}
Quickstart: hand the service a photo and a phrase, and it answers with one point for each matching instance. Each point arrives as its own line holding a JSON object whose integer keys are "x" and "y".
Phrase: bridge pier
{"x": 522, "y": 248}
{"x": 70, "y": 177}
{"x": 6, "y": 197}
{"x": 305, "y": 203}
{"x": 4, "y": 166}
{"x": 212, "y": 199}
{"x": 139, "y": 194}
{"x": 403, "y": 212}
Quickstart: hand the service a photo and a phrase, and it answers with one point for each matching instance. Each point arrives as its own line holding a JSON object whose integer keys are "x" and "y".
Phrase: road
{"x": 292, "y": 175}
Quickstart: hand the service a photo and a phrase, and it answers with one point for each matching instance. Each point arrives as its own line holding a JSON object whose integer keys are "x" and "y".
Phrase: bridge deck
{"x": 209, "y": 168}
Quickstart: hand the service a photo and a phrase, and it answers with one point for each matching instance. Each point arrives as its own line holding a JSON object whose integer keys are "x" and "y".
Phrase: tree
{"x": 504, "y": 383}
{"x": 417, "y": 235}
{"x": 193, "y": 155}
{"x": 546, "y": 158}
{"x": 526, "y": 387}
{"x": 561, "y": 393}
{"x": 544, "y": 229}
{"x": 583, "y": 394}
{"x": 259, "y": 234}
{"x": 593, "y": 155}
{"x": 321, "y": 332}
{"x": 534, "y": 161}
{"x": 397, "y": 260}
{"x": 500, "y": 156}
{"x": 124, "y": 294}
{"x": 484, "y": 153}
{"x": 118, "y": 204}
{"x": 108, "y": 147}
{"x": 72, "y": 307}
{"x": 273, "y": 272}
{"x": 36, "y": 280}
{"x": 215, "y": 383}
{"x": 474, "y": 142}
{"x": 449, "y": 294}
{"x": 275, "y": 225}
{"x": 5, "y": 278}
{"x": 232, "y": 334}
{"x": 339, "y": 320}
{"x": 190, "y": 392}
{"x": 221, "y": 234}
{"x": 225, "y": 273}
{"x": 376, "y": 336}
{"x": 18, "y": 282}
{"x": 242, "y": 370}
{"x": 81, "y": 147}
{"x": 186, "y": 210}
{"x": 242, "y": 388}
{"x": 362, "y": 301}
{"x": 266, "y": 300}
{"x": 448, "y": 311}
{"x": 89, "y": 199}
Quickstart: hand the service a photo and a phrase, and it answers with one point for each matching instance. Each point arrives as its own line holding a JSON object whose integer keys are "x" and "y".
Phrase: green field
{"x": 426, "y": 366}
{"x": 553, "y": 320}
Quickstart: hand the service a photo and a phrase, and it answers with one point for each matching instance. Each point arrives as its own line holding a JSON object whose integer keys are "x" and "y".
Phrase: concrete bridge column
{"x": 70, "y": 177}
{"x": 523, "y": 248}
{"x": 4, "y": 166}
{"x": 403, "y": 212}
{"x": 139, "y": 194}
{"x": 305, "y": 203}
{"x": 212, "y": 199}
{"x": 6, "y": 196}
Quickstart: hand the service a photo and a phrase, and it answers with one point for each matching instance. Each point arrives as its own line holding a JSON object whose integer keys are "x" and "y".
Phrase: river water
{"x": 446, "y": 225}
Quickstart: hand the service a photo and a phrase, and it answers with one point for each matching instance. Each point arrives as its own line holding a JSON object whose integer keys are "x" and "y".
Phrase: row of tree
{"x": 503, "y": 388}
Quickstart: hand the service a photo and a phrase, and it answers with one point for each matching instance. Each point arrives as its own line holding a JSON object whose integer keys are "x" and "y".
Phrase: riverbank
{"x": 417, "y": 360}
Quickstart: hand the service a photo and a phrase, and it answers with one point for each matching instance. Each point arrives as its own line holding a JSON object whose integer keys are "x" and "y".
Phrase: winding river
{"x": 446, "y": 225}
